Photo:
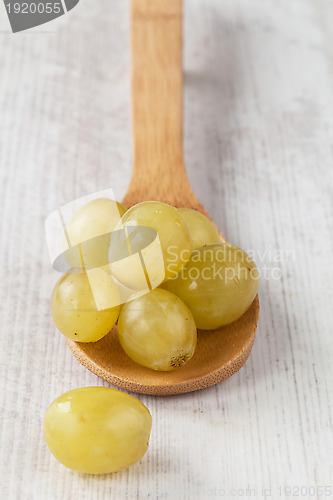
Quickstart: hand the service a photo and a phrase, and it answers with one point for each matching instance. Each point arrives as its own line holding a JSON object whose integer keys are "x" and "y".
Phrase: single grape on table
{"x": 97, "y": 430}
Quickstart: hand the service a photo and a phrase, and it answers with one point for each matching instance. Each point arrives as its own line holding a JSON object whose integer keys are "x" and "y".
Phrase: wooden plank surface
{"x": 258, "y": 139}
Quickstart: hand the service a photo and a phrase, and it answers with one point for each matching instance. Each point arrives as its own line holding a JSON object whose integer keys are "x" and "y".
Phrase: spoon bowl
{"x": 159, "y": 174}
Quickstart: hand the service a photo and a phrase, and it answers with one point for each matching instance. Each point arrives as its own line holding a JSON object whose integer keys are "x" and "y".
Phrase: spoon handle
{"x": 157, "y": 100}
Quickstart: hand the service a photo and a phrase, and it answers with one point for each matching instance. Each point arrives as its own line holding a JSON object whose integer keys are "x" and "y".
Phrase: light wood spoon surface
{"x": 159, "y": 174}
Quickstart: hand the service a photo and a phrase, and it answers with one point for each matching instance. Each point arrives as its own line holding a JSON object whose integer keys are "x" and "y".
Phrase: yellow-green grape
{"x": 157, "y": 331}
{"x": 218, "y": 284}
{"x": 85, "y": 305}
{"x": 97, "y": 430}
{"x": 202, "y": 230}
{"x": 164, "y": 258}
{"x": 90, "y": 227}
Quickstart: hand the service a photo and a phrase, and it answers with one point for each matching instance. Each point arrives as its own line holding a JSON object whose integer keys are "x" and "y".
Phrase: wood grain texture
{"x": 157, "y": 106}
{"x": 258, "y": 147}
{"x": 157, "y": 101}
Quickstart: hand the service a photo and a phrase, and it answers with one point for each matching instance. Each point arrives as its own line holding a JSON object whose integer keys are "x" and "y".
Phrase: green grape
{"x": 218, "y": 284}
{"x": 97, "y": 430}
{"x": 157, "y": 331}
{"x": 90, "y": 228}
{"x": 85, "y": 304}
{"x": 202, "y": 230}
{"x": 162, "y": 259}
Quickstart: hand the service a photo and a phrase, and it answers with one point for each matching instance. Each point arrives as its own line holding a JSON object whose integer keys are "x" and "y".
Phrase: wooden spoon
{"x": 159, "y": 174}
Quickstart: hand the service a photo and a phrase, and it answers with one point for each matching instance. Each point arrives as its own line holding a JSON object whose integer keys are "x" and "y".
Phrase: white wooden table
{"x": 259, "y": 154}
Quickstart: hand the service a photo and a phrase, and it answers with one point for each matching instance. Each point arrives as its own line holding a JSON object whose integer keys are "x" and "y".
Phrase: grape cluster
{"x": 159, "y": 286}
{"x": 186, "y": 279}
